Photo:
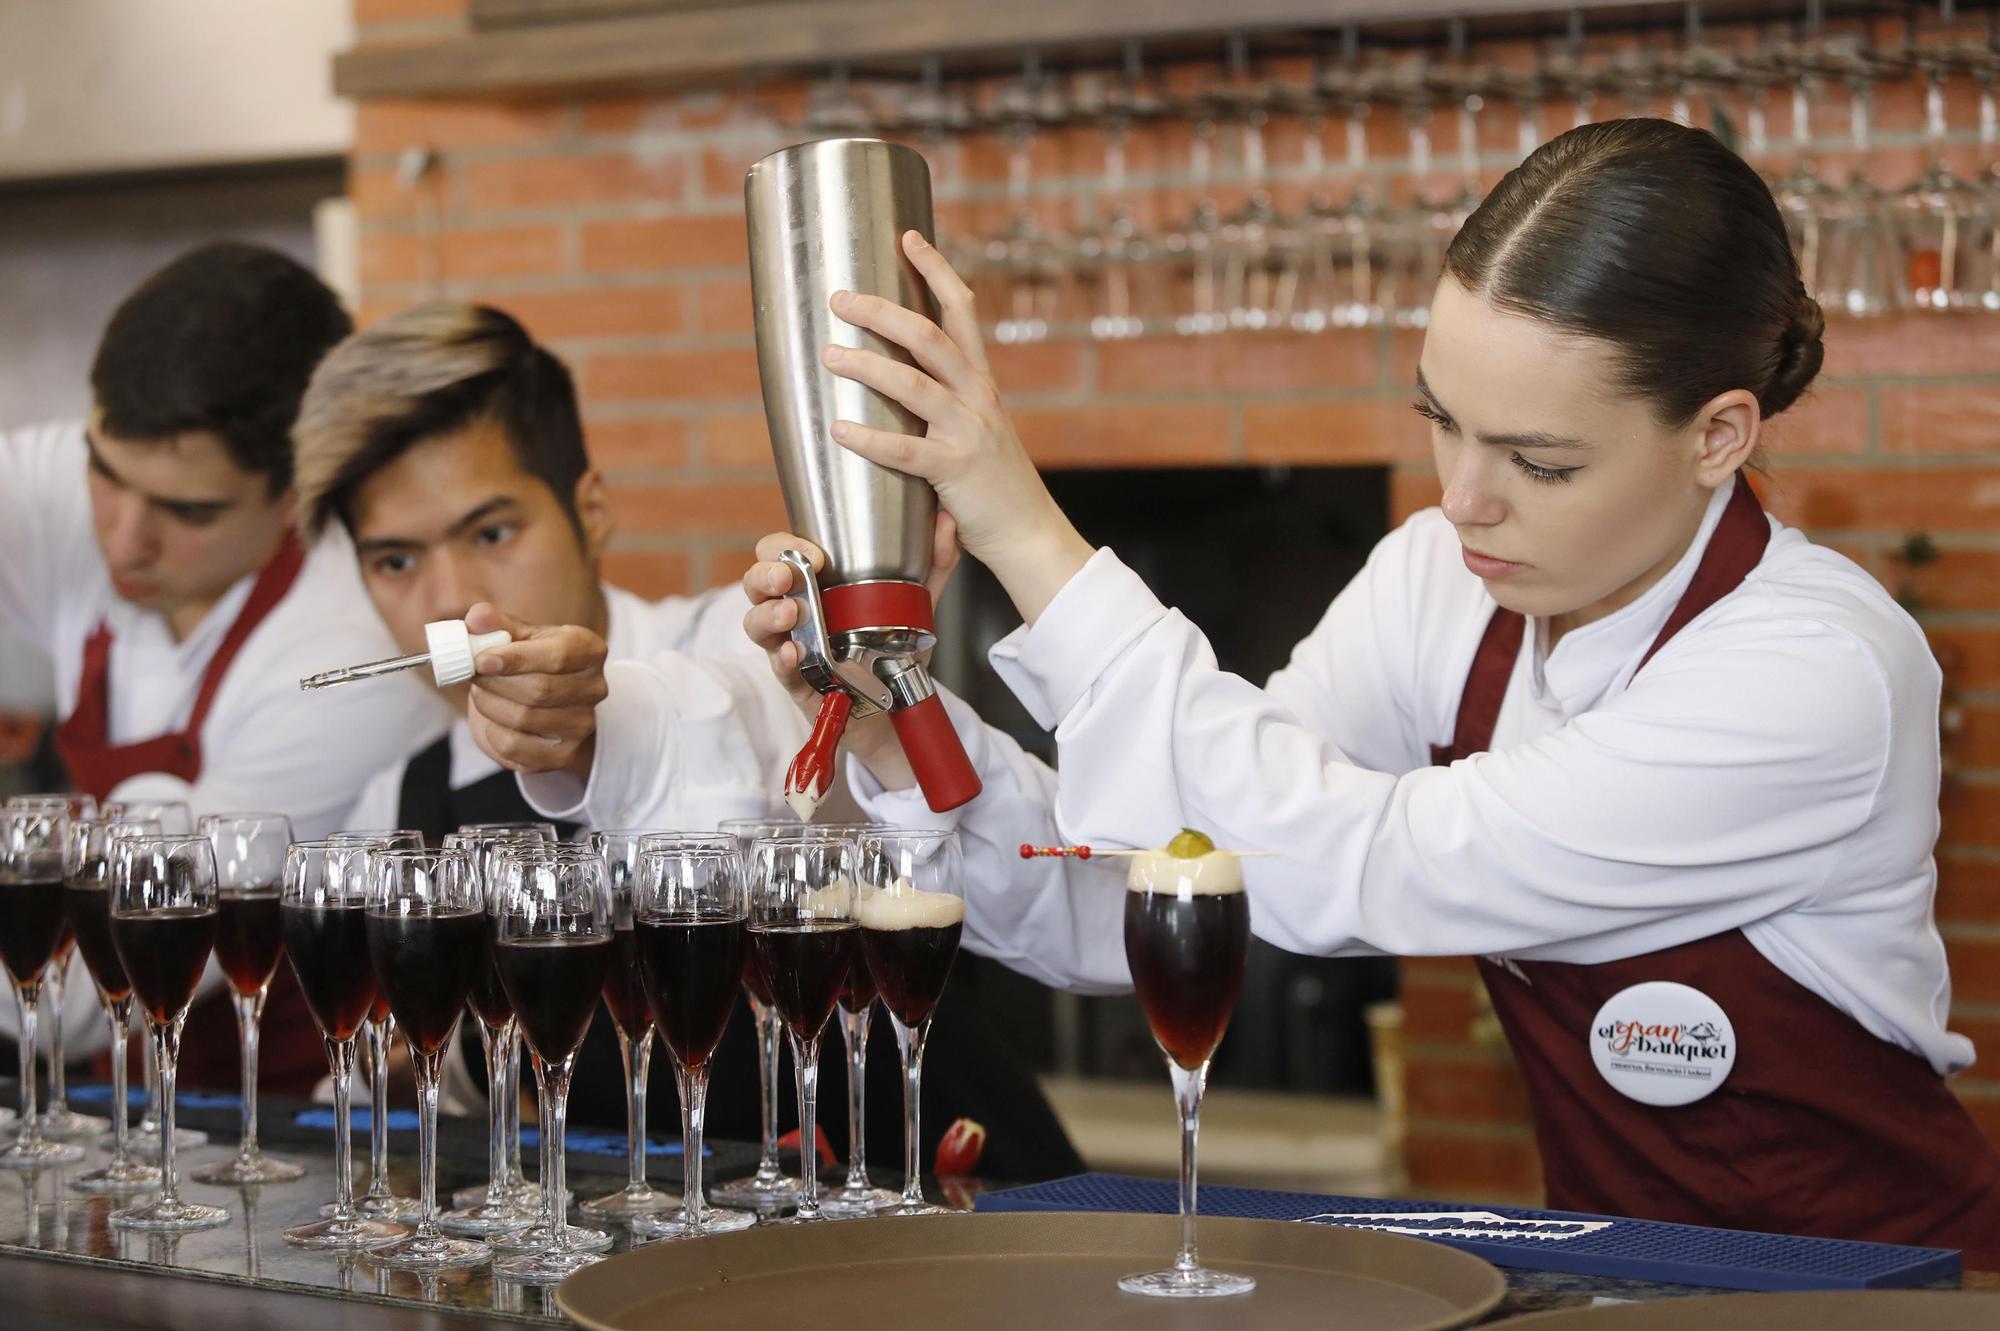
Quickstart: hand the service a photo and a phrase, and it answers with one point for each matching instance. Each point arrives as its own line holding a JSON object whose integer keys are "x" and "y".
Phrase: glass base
{"x": 487, "y": 1218}
{"x": 523, "y": 1193}
{"x": 1194, "y": 1283}
{"x": 673, "y": 1225}
{"x": 144, "y": 1140}
{"x": 644, "y": 1199}
{"x": 759, "y": 1192}
{"x": 545, "y": 1268}
{"x": 917, "y": 1208}
{"x": 433, "y": 1252}
{"x": 7, "y": 1117}
{"x": 169, "y": 1217}
{"x": 383, "y": 1206}
{"x": 351, "y": 1233}
{"x": 851, "y": 1202}
{"x": 64, "y": 1124}
{"x": 537, "y": 1238}
{"x": 40, "y": 1155}
{"x": 128, "y": 1177}
{"x": 237, "y": 1171}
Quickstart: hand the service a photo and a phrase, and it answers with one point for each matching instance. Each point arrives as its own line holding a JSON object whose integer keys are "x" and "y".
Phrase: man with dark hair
{"x": 449, "y": 445}
{"x": 152, "y": 553}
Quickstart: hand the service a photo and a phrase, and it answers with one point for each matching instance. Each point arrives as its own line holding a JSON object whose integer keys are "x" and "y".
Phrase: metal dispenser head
{"x": 829, "y": 216}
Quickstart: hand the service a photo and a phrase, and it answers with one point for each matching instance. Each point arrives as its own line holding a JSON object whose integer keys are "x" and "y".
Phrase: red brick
{"x": 667, "y": 375}
{"x": 1984, "y": 1032}
{"x": 1914, "y": 343}
{"x": 1982, "y": 1102}
{"x": 703, "y": 109}
{"x": 1959, "y": 579}
{"x": 1037, "y": 367}
{"x": 1883, "y": 499}
{"x": 1462, "y": 968}
{"x": 1437, "y": 1013}
{"x": 1466, "y": 1092}
{"x": 461, "y": 254}
{"x": 1319, "y": 433}
{"x": 1147, "y": 435}
{"x": 1411, "y": 490}
{"x": 1971, "y": 812}
{"x": 1265, "y": 361}
{"x": 400, "y": 11}
{"x": 604, "y": 312}
{"x": 1472, "y": 1168}
{"x": 1977, "y": 740}
{"x": 565, "y": 182}
{"x": 650, "y": 573}
{"x": 1975, "y": 967}
{"x": 749, "y": 508}
{"x": 737, "y": 440}
{"x": 393, "y": 124}
{"x": 668, "y": 242}
{"x": 376, "y": 194}
{"x": 637, "y": 443}
{"x": 1941, "y": 419}
{"x": 1406, "y": 345}
{"x": 1968, "y": 891}
{"x": 1970, "y": 657}
{"x": 1828, "y": 419}
{"x": 723, "y": 167}
{"x": 724, "y": 306}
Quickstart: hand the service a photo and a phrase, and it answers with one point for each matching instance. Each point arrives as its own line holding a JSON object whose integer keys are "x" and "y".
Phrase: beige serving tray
{"x": 1818, "y": 1310}
{"x": 1038, "y": 1270}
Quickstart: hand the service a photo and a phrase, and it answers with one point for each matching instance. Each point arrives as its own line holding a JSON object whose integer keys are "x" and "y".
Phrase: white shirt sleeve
{"x": 1714, "y": 792}
{"x": 380, "y": 800}
{"x": 682, "y": 742}
{"x": 1059, "y": 921}
{"x": 47, "y": 545}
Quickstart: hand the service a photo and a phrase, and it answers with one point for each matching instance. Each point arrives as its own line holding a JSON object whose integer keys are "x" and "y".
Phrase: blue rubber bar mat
{"x": 1632, "y": 1249}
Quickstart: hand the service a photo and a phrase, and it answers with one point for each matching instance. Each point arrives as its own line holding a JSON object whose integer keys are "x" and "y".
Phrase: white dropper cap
{"x": 454, "y": 649}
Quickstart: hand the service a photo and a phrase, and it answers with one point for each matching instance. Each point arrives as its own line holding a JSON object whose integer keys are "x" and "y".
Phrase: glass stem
{"x": 119, "y": 1012}
{"x": 167, "y": 1053}
{"x": 340, "y": 1059}
{"x": 31, "y": 1131}
{"x": 638, "y": 1057}
{"x": 805, "y": 1057}
{"x": 768, "y": 1035}
{"x": 694, "y": 1116}
{"x": 58, "y": 1079}
{"x": 1187, "y": 1098}
{"x": 496, "y": 1115}
{"x": 249, "y": 1014}
{"x": 553, "y": 1082}
{"x": 380, "y": 1033}
{"x": 910, "y": 1040}
{"x": 510, "y": 1067}
{"x": 854, "y": 1029}
{"x": 551, "y": 1203}
{"x": 427, "y": 1123}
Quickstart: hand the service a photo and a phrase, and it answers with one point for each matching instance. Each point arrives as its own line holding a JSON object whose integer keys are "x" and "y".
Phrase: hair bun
{"x": 1801, "y": 350}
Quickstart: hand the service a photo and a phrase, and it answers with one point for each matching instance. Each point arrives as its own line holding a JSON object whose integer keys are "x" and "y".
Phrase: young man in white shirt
{"x": 449, "y": 445}
{"x": 151, "y": 553}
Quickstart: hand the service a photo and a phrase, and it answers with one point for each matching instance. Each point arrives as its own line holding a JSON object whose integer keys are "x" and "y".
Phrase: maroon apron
{"x": 292, "y": 1059}
{"x": 1820, "y": 1127}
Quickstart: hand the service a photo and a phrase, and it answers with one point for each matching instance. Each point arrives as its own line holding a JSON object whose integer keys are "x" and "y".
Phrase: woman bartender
{"x": 1669, "y": 766}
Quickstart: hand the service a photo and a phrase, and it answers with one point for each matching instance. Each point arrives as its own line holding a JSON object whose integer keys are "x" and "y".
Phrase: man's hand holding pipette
{"x": 533, "y": 704}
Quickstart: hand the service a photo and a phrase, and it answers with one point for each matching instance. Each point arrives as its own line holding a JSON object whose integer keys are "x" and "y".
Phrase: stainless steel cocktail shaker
{"x": 829, "y": 216}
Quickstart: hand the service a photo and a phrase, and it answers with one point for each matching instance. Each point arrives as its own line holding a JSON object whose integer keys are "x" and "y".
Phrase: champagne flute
{"x": 689, "y": 912}
{"x": 625, "y": 1001}
{"x": 379, "y": 1032}
{"x": 509, "y": 866}
{"x": 911, "y": 908}
{"x": 249, "y": 943}
{"x": 174, "y": 818}
{"x": 770, "y": 1187}
{"x": 554, "y": 946}
{"x": 31, "y": 923}
{"x": 323, "y": 911}
{"x": 426, "y": 931}
{"x": 1187, "y": 940}
{"x": 803, "y": 936}
{"x": 163, "y": 921}
{"x": 87, "y": 901}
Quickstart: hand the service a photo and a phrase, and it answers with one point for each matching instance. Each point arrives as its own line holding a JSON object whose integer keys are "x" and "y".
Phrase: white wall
{"x": 114, "y": 85}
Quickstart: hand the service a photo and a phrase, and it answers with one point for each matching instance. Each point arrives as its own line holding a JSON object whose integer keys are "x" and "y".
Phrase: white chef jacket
{"x": 709, "y": 742}
{"x": 266, "y": 746}
{"x": 1774, "y": 769}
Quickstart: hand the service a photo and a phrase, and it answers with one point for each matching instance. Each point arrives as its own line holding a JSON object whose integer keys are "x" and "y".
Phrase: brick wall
{"x": 612, "y": 227}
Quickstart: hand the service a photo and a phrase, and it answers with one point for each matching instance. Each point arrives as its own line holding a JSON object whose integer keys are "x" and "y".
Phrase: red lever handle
{"x": 936, "y": 755}
{"x": 811, "y": 772}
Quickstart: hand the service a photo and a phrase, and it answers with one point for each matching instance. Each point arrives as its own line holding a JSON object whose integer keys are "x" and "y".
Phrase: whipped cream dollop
{"x": 1218, "y": 873}
{"x": 902, "y": 905}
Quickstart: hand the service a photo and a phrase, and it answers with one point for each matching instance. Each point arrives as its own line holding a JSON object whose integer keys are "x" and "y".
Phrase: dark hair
{"x": 222, "y": 339}
{"x": 1657, "y": 238}
{"x": 426, "y": 371}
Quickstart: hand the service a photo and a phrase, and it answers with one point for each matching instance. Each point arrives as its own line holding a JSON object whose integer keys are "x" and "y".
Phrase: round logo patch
{"x": 1662, "y": 1043}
